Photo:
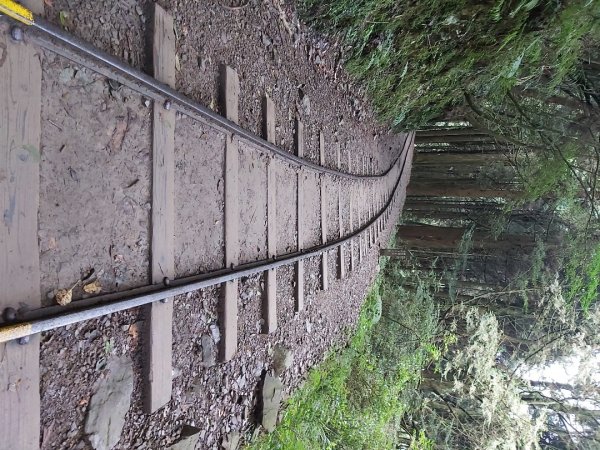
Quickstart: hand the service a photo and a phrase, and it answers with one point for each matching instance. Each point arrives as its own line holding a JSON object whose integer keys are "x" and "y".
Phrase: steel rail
{"x": 49, "y": 318}
{"x": 77, "y": 50}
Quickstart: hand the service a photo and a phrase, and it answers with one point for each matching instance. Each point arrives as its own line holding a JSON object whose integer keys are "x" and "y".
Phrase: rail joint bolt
{"x": 16, "y": 33}
{"x": 9, "y": 314}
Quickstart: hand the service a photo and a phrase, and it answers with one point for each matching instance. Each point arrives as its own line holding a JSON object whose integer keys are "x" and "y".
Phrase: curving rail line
{"x": 56, "y": 40}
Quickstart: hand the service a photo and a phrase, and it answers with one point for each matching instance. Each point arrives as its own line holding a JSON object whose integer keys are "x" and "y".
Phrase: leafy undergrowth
{"x": 417, "y": 59}
{"x": 357, "y": 398}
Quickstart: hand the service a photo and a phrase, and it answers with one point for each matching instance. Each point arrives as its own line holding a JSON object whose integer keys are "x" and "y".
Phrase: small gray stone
{"x": 66, "y": 75}
{"x": 231, "y": 441}
{"x": 271, "y": 400}
{"x": 258, "y": 370}
{"x": 208, "y": 351}
{"x": 282, "y": 359}
{"x": 215, "y": 333}
{"x": 378, "y": 310}
{"x": 188, "y": 440}
{"x": 306, "y": 105}
{"x": 241, "y": 382}
{"x": 266, "y": 40}
{"x": 109, "y": 404}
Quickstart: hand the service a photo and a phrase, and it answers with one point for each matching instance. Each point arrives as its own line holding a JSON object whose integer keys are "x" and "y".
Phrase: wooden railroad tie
{"x": 230, "y": 85}
{"x": 20, "y": 116}
{"x": 159, "y": 315}
{"x": 270, "y": 298}
{"x": 324, "y": 258}
{"x": 299, "y": 305}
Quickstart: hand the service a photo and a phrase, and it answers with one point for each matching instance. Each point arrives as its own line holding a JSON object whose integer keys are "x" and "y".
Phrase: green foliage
{"x": 538, "y": 272}
{"x": 357, "y": 397}
{"x": 486, "y": 408}
{"x": 417, "y": 58}
{"x": 421, "y": 442}
{"x": 544, "y": 176}
{"x": 583, "y": 280}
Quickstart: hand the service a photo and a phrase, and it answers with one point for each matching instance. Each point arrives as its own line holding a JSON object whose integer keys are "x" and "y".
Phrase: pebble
{"x": 266, "y": 40}
{"x": 208, "y": 351}
{"x": 308, "y": 326}
{"x": 215, "y": 333}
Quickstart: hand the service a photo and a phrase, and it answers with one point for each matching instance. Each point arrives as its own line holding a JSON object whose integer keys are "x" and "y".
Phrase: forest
{"x": 482, "y": 330}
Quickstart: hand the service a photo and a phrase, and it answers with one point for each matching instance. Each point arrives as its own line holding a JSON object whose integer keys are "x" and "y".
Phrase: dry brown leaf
{"x": 64, "y": 296}
{"x": 93, "y": 288}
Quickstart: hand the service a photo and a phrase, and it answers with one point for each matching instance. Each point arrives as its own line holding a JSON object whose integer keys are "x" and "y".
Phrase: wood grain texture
{"x": 20, "y": 105}
{"x": 321, "y": 148}
{"x": 351, "y": 228}
{"x": 338, "y": 155}
{"x": 367, "y": 218}
{"x": 360, "y": 248}
{"x": 159, "y": 315}
{"x": 229, "y": 322}
{"x": 361, "y": 220}
{"x": 377, "y": 209}
{"x": 367, "y": 212}
{"x": 230, "y": 93}
{"x": 270, "y": 298}
{"x": 371, "y": 215}
{"x": 324, "y": 257}
{"x": 299, "y": 138}
{"x": 379, "y": 205}
{"x": 349, "y": 162}
{"x": 268, "y": 119}
{"x": 299, "y": 277}
{"x": 371, "y": 233}
{"x": 341, "y": 260}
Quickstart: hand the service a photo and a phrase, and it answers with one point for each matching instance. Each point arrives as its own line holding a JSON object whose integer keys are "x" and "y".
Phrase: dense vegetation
{"x": 419, "y": 59}
{"x": 487, "y": 337}
{"x": 358, "y": 397}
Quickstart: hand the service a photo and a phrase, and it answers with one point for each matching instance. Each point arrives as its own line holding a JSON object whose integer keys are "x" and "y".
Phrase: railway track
{"x": 330, "y": 211}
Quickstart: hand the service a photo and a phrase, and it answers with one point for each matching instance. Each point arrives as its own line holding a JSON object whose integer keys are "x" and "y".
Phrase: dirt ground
{"x": 95, "y": 209}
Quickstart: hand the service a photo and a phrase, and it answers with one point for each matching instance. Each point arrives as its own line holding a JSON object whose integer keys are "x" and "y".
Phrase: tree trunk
{"x": 478, "y": 159}
{"x": 444, "y": 139}
{"x": 434, "y": 237}
{"x": 466, "y": 131}
{"x": 466, "y": 190}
